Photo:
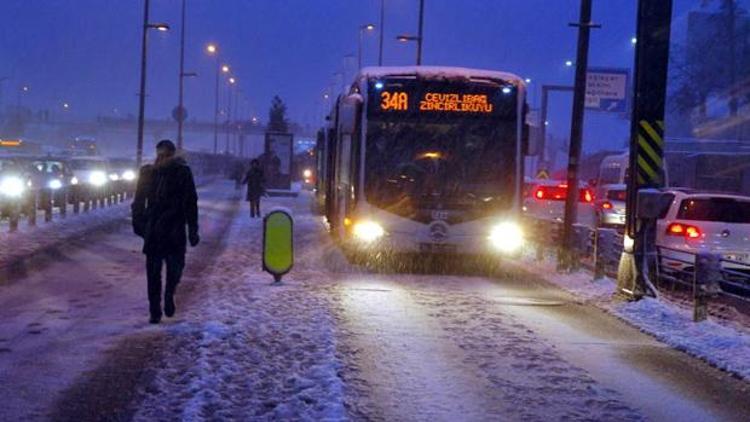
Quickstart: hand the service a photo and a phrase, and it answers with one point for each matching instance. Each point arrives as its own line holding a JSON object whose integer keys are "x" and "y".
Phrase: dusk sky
{"x": 86, "y": 52}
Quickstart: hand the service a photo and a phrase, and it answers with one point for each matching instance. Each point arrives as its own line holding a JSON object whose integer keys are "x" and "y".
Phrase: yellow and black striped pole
{"x": 646, "y": 168}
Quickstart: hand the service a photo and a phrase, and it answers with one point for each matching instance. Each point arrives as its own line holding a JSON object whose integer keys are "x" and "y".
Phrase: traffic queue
{"x": 29, "y": 183}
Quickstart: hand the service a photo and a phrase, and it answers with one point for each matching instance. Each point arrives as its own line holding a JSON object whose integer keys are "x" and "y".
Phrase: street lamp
{"x": 569, "y": 63}
{"x": 230, "y": 94}
{"x": 142, "y": 92}
{"x": 362, "y": 29}
{"x": 213, "y": 50}
{"x": 407, "y": 38}
{"x": 419, "y": 38}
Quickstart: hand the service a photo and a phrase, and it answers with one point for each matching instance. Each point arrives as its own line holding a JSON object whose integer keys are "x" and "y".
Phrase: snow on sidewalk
{"x": 247, "y": 349}
{"x": 725, "y": 347}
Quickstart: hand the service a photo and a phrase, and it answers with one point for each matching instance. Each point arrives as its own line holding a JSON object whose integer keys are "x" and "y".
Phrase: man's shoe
{"x": 169, "y": 307}
{"x": 154, "y": 320}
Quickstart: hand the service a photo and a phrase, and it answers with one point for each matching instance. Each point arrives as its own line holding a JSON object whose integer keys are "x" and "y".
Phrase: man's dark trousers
{"x": 175, "y": 265}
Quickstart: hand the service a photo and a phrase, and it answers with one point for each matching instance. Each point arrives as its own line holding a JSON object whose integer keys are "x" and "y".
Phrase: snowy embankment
{"x": 245, "y": 348}
{"x": 724, "y": 347}
{"x": 30, "y": 240}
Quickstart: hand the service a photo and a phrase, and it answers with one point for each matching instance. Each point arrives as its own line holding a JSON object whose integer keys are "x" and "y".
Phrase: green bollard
{"x": 278, "y": 243}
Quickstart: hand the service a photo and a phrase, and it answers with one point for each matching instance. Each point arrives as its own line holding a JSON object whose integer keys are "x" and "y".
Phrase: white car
{"x": 545, "y": 200}
{"x": 712, "y": 222}
{"x": 610, "y": 206}
{"x": 90, "y": 171}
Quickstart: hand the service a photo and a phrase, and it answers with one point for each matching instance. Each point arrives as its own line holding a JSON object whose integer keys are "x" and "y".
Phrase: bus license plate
{"x": 437, "y": 248}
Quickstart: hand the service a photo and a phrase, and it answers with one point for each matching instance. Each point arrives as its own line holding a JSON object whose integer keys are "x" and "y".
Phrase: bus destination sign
{"x": 437, "y": 101}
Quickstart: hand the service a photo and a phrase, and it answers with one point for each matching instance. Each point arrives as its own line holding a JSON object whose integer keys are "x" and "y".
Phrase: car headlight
{"x": 128, "y": 175}
{"x": 54, "y": 184}
{"x": 73, "y": 180}
{"x": 98, "y": 178}
{"x": 368, "y": 231}
{"x": 506, "y": 237}
{"x": 12, "y": 186}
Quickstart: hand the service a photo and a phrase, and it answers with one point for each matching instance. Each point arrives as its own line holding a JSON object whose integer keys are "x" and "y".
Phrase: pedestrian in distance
{"x": 165, "y": 206}
{"x": 255, "y": 187}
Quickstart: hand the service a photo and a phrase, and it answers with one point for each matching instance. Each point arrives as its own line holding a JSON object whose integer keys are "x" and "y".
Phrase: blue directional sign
{"x": 607, "y": 89}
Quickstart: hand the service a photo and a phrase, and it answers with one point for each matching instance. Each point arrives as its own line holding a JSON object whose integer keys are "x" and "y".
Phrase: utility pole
{"x": 566, "y": 258}
{"x": 420, "y": 33}
{"x": 142, "y": 91}
{"x": 382, "y": 30}
{"x": 646, "y": 136}
{"x": 180, "y": 107}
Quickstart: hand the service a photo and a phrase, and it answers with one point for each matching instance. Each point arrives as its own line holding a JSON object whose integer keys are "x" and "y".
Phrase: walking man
{"x": 165, "y": 204}
{"x": 255, "y": 187}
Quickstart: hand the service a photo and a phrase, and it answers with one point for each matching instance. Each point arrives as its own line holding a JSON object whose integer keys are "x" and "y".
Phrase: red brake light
{"x": 690, "y": 232}
{"x": 607, "y": 205}
{"x": 539, "y": 194}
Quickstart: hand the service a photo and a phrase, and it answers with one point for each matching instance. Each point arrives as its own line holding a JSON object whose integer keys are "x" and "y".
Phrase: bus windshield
{"x": 447, "y": 161}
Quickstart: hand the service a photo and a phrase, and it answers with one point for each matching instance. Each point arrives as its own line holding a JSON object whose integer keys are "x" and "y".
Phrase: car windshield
{"x": 441, "y": 160}
{"x": 728, "y": 210}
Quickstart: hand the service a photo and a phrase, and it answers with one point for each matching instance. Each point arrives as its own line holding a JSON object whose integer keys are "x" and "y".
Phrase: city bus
{"x": 425, "y": 160}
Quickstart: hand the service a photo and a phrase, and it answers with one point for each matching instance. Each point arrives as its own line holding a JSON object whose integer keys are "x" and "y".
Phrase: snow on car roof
{"x": 439, "y": 72}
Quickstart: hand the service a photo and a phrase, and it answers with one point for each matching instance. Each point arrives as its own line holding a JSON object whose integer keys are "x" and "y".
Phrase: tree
{"x": 277, "y": 121}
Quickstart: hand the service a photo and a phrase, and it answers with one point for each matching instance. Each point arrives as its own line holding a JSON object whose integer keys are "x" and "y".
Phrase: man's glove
{"x": 194, "y": 238}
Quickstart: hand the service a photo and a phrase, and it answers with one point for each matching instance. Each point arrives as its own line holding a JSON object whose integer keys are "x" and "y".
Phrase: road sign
{"x": 179, "y": 113}
{"x": 607, "y": 89}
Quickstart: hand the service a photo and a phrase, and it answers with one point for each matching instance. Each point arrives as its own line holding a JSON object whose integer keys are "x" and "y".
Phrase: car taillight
{"x": 539, "y": 193}
{"x": 585, "y": 195}
{"x": 551, "y": 193}
{"x": 607, "y": 205}
{"x": 690, "y": 232}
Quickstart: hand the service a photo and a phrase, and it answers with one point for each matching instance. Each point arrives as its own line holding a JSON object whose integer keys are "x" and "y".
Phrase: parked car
{"x": 700, "y": 221}
{"x": 546, "y": 200}
{"x": 610, "y": 207}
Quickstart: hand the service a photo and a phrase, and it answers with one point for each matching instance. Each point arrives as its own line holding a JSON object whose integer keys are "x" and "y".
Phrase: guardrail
{"x": 705, "y": 274}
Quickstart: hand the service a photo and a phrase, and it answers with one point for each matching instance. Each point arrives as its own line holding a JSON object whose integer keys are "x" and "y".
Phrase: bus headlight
{"x": 114, "y": 177}
{"x": 506, "y": 237}
{"x": 12, "y": 186}
{"x": 98, "y": 178}
{"x": 73, "y": 180}
{"x": 128, "y": 175}
{"x": 54, "y": 184}
{"x": 368, "y": 231}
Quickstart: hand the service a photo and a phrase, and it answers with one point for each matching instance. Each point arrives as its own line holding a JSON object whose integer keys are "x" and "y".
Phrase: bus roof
{"x": 439, "y": 72}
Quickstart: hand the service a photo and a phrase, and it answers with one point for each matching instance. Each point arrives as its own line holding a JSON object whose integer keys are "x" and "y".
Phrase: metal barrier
{"x": 705, "y": 274}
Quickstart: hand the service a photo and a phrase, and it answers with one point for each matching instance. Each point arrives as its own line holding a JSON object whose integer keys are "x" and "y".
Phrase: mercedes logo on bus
{"x": 438, "y": 231}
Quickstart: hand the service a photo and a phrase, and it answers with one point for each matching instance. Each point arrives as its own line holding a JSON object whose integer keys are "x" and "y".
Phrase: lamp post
{"x": 407, "y": 38}
{"x": 420, "y": 35}
{"x": 231, "y": 83}
{"x": 142, "y": 91}
{"x": 213, "y": 50}
{"x": 180, "y": 107}
{"x": 362, "y": 29}
{"x": 382, "y": 30}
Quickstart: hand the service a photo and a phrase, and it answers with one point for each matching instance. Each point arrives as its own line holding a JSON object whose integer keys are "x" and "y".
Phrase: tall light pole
{"x": 180, "y": 108}
{"x": 382, "y": 30}
{"x": 420, "y": 35}
{"x": 213, "y": 50}
{"x": 231, "y": 82}
{"x": 407, "y": 38}
{"x": 362, "y": 29}
{"x": 142, "y": 91}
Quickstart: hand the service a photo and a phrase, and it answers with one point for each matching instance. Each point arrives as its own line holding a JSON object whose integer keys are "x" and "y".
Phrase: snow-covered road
{"x": 332, "y": 342}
